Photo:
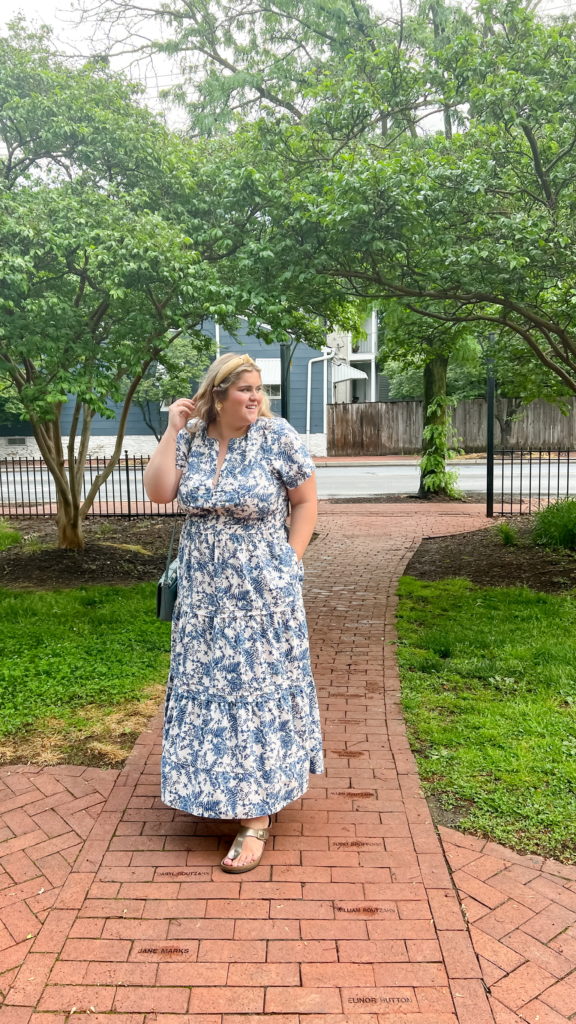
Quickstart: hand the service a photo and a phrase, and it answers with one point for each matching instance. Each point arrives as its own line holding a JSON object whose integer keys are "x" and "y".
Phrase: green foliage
{"x": 508, "y": 534}
{"x": 8, "y": 536}
{"x": 489, "y": 693}
{"x": 64, "y": 649}
{"x": 470, "y": 228}
{"x": 264, "y": 60}
{"x": 439, "y": 440}
{"x": 464, "y": 230}
{"x": 555, "y": 525}
{"x": 462, "y": 381}
{"x": 408, "y": 340}
{"x": 117, "y": 237}
{"x": 168, "y": 378}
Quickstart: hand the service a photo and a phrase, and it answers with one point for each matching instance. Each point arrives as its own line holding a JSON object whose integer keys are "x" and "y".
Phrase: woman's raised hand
{"x": 180, "y": 412}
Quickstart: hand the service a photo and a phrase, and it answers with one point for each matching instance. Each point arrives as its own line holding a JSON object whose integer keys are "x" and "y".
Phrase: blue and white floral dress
{"x": 242, "y": 728}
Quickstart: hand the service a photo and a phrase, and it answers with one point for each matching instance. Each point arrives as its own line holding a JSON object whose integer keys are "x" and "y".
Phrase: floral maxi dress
{"x": 241, "y": 728}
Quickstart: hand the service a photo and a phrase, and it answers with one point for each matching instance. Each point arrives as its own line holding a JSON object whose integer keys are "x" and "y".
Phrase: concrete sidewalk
{"x": 391, "y": 460}
{"x": 114, "y": 911}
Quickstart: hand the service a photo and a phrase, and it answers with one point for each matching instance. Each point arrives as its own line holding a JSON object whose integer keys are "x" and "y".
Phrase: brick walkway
{"x": 113, "y": 911}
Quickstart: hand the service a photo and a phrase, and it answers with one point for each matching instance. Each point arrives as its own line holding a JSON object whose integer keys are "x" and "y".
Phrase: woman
{"x": 242, "y": 729}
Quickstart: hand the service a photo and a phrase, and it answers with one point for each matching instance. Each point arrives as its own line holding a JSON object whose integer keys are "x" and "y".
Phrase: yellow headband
{"x": 234, "y": 364}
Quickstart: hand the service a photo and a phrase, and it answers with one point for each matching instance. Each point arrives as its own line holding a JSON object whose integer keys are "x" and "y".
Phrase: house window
{"x": 271, "y": 376}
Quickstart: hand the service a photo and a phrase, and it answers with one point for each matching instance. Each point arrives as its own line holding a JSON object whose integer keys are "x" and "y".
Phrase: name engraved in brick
{"x": 379, "y": 999}
{"x": 364, "y": 910}
{"x": 357, "y": 844}
{"x": 352, "y": 795}
{"x": 165, "y": 950}
{"x": 184, "y": 873}
{"x": 348, "y": 753}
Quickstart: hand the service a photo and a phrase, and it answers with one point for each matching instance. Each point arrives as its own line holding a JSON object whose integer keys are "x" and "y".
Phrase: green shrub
{"x": 508, "y": 534}
{"x": 8, "y": 536}
{"x": 555, "y": 525}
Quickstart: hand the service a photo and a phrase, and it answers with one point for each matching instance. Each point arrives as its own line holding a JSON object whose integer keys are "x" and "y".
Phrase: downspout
{"x": 325, "y": 416}
{"x": 374, "y": 334}
{"x": 328, "y": 353}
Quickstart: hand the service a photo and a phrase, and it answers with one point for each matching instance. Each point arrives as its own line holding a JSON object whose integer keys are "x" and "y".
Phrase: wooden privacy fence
{"x": 395, "y": 428}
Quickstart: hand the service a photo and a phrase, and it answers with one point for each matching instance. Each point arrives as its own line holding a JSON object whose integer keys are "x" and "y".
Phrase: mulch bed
{"x": 103, "y": 560}
{"x": 479, "y": 556}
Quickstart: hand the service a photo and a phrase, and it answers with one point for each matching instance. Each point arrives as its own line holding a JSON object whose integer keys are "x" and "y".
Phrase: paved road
{"x": 362, "y": 481}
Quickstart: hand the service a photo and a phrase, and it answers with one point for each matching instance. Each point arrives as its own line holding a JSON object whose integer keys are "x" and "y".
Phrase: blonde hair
{"x": 209, "y": 392}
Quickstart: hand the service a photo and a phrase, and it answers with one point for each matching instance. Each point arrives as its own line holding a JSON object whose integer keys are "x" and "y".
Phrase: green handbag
{"x": 167, "y": 588}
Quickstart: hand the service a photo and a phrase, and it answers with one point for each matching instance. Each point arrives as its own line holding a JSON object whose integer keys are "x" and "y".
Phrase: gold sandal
{"x": 243, "y": 832}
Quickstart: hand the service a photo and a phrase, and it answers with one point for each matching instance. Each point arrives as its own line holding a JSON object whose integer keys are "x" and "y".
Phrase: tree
{"x": 116, "y": 237}
{"x": 94, "y": 279}
{"x": 470, "y": 225}
{"x": 473, "y": 229}
{"x": 336, "y": 75}
{"x": 408, "y": 340}
{"x": 271, "y": 58}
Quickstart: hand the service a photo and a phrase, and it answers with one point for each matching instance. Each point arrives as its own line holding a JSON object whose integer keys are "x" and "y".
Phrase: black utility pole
{"x": 285, "y": 381}
{"x": 490, "y": 401}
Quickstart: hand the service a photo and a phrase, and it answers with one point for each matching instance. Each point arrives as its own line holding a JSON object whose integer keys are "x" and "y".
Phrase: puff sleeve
{"x": 292, "y": 461}
{"x": 183, "y": 442}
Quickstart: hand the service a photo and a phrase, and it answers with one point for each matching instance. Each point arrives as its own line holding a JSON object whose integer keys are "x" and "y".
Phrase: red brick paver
{"x": 113, "y": 909}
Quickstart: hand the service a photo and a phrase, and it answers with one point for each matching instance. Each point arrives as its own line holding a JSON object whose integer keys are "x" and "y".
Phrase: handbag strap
{"x": 170, "y": 546}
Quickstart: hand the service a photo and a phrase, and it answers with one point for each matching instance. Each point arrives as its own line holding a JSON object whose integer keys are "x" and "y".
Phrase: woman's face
{"x": 243, "y": 399}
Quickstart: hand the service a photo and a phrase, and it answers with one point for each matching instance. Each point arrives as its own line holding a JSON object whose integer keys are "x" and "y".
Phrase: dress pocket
{"x": 292, "y": 554}
{"x": 295, "y": 562}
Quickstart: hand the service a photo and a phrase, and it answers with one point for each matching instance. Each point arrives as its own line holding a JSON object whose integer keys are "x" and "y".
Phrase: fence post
{"x": 127, "y": 483}
{"x": 490, "y": 394}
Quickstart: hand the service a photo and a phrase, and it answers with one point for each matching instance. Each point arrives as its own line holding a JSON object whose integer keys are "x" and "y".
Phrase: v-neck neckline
{"x": 230, "y": 444}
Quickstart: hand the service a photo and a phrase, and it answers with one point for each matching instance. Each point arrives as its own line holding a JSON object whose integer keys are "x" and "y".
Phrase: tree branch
{"x": 538, "y": 167}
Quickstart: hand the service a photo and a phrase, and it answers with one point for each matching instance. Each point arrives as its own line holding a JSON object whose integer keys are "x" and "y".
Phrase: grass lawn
{"x": 82, "y": 671}
{"x": 489, "y": 693}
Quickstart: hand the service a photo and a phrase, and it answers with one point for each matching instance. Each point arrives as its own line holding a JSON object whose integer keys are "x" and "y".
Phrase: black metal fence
{"x": 28, "y": 489}
{"x": 524, "y": 481}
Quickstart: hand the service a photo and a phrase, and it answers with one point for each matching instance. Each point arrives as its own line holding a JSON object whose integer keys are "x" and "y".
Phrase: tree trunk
{"x": 506, "y": 415}
{"x": 434, "y": 387}
{"x": 69, "y": 523}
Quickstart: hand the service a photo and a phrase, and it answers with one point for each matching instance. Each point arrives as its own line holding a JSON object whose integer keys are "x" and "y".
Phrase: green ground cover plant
{"x": 489, "y": 693}
{"x": 508, "y": 534}
{"x": 78, "y": 667}
{"x": 8, "y": 536}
